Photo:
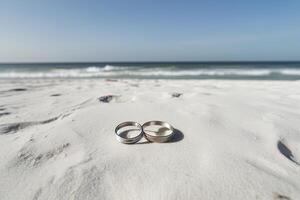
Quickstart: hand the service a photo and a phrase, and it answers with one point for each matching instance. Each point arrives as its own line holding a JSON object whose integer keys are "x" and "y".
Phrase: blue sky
{"x": 62, "y": 30}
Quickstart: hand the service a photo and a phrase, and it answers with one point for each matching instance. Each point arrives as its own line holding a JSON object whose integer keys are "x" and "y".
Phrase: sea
{"x": 155, "y": 70}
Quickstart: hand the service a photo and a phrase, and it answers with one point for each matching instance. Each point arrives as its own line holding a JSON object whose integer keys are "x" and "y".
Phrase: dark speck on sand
{"x": 106, "y": 98}
{"x": 18, "y": 90}
{"x": 176, "y": 95}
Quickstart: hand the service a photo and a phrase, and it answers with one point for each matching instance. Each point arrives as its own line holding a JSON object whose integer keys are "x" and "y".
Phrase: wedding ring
{"x": 163, "y": 134}
{"x": 122, "y": 136}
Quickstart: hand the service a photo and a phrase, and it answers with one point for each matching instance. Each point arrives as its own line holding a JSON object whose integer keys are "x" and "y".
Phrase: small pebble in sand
{"x": 55, "y": 95}
{"x": 106, "y": 98}
{"x": 176, "y": 95}
{"x": 277, "y": 196}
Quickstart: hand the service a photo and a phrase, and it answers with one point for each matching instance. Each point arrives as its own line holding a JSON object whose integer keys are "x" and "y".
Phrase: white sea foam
{"x": 156, "y": 72}
{"x": 93, "y": 69}
{"x": 291, "y": 71}
{"x": 110, "y": 68}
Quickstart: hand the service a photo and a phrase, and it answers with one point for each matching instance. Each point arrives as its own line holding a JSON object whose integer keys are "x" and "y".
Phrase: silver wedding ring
{"x": 158, "y": 131}
{"x": 154, "y": 131}
{"x": 122, "y": 131}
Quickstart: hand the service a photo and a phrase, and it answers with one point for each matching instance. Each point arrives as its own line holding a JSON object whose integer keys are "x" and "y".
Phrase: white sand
{"x": 241, "y": 140}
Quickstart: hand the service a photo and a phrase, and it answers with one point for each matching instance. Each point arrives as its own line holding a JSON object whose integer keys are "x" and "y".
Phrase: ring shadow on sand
{"x": 177, "y": 136}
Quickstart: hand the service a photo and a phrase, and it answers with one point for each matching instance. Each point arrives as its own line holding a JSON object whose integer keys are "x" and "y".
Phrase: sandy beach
{"x": 236, "y": 139}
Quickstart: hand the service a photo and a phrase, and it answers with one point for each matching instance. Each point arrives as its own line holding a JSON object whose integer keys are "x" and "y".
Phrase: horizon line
{"x": 179, "y": 61}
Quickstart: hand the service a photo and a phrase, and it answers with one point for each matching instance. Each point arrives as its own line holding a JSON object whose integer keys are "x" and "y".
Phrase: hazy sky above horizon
{"x": 61, "y": 30}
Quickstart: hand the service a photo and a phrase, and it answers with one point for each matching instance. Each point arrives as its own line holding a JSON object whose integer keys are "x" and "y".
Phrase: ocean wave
{"x": 291, "y": 71}
{"x": 155, "y": 72}
{"x": 107, "y": 68}
{"x": 93, "y": 69}
{"x": 111, "y": 68}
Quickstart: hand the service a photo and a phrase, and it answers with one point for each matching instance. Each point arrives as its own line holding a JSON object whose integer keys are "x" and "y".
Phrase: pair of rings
{"x": 154, "y": 131}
